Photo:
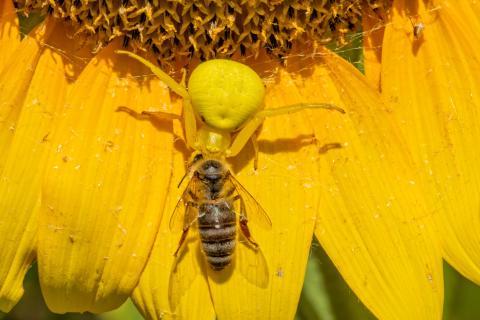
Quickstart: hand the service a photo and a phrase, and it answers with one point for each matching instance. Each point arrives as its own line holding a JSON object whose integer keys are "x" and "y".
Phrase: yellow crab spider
{"x": 226, "y": 97}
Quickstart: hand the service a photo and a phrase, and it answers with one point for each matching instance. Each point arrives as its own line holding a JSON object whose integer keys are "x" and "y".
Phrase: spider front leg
{"x": 189, "y": 120}
{"x": 176, "y": 87}
{"x": 252, "y": 125}
{"x": 190, "y": 124}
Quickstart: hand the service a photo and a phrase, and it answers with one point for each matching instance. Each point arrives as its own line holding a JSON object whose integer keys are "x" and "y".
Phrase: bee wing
{"x": 181, "y": 215}
{"x": 253, "y": 210}
{"x": 252, "y": 264}
{"x": 184, "y": 269}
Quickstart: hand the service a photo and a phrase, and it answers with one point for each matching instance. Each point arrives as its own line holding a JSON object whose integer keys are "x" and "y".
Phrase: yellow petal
{"x": 14, "y": 81}
{"x": 434, "y": 86}
{"x": 27, "y": 108}
{"x": 373, "y": 221}
{"x": 374, "y": 28}
{"x": 9, "y": 31}
{"x": 104, "y": 188}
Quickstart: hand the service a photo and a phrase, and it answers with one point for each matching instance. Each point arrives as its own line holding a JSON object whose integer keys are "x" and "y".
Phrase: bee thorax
{"x": 211, "y": 171}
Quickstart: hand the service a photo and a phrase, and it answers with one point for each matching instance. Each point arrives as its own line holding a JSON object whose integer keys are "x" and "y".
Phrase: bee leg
{"x": 246, "y": 231}
{"x": 186, "y": 228}
{"x": 182, "y": 240}
{"x": 244, "y": 223}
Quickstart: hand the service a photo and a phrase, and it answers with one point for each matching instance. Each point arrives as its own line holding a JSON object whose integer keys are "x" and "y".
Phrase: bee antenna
{"x": 189, "y": 172}
{"x": 183, "y": 178}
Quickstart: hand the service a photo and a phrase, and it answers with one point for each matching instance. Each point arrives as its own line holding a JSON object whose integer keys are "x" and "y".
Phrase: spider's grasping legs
{"x": 190, "y": 124}
{"x": 178, "y": 88}
{"x": 249, "y": 129}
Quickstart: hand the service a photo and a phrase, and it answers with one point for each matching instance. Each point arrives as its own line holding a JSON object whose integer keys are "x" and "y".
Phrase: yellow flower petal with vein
{"x": 373, "y": 221}
{"x": 433, "y": 84}
{"x": 9, "y": 31}
{"x": 14, "y": 81}
{"x": 104, "y": 189}
{"x": 26, "y": 109}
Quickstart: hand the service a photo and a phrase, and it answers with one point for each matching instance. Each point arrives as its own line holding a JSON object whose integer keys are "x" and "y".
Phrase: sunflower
{"x": 88, "y": 191}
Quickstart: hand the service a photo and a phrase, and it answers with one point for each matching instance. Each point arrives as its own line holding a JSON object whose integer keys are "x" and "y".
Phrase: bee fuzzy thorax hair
{"x": 199, "y": 162}
{"x": 210, "y": 29}
{"x": 211, "y": 168}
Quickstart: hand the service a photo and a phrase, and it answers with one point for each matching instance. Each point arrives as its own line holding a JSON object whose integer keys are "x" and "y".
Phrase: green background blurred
{"x": 325, "y": 295}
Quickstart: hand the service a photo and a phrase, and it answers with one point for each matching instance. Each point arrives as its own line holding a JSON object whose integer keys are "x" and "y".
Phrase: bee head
{"x": 211, "y": 170}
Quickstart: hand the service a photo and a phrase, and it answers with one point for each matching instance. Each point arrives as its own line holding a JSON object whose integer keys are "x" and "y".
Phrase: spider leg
{"x": 252, "y": 125}
{"x": 176, "y": 87}
{"x": 189, "y": 119}
{"x": 190, "y": 124}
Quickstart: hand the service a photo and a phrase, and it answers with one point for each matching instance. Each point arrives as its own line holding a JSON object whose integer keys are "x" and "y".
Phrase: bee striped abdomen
{"x": 217, "y": 229}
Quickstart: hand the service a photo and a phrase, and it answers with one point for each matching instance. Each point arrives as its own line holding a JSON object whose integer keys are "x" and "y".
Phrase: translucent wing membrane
{"x": 183, "y": 218}
{"x": 249, "y": 207}
{"x": 182, "y": 275}
{"x": 251, "y": 263}
{"x": 184, "y": 213}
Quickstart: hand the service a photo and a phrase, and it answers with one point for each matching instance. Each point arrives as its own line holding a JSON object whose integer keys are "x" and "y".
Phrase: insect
{"x": 213, "y": 198}
{"x": 418, "y": 28}
{"x": 226, "y": 98}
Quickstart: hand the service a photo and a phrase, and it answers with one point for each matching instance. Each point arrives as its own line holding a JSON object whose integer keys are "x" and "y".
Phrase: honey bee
{"x": 212, "y": 199}
{"x": 218, "y": 209}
